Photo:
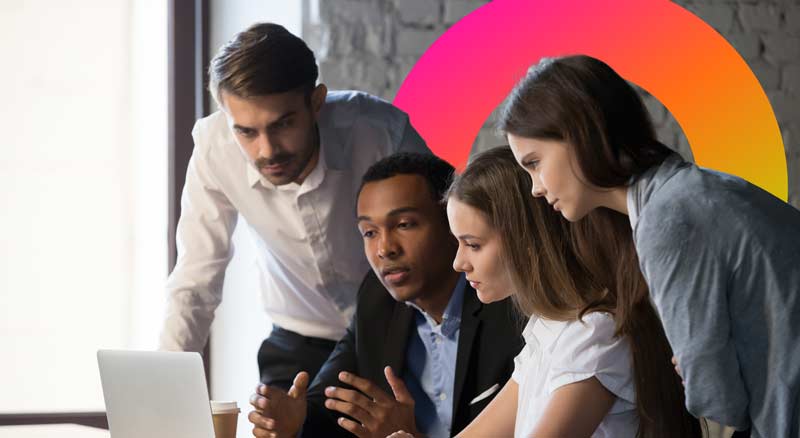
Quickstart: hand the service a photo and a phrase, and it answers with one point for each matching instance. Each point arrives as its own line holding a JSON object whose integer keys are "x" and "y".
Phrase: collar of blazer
{"x": 470, "y": 322}
{"x": 400, "y": 327}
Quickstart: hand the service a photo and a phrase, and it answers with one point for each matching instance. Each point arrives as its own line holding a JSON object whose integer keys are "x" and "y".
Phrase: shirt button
{"x": 442, "y": 396}
{"x": 438, "y": 340}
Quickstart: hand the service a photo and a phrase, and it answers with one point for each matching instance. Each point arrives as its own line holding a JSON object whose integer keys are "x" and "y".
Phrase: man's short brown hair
{"x": 263, "y": 59}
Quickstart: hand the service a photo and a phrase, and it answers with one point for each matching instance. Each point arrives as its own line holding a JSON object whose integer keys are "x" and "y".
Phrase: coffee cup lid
{"x": 224, "y": 406}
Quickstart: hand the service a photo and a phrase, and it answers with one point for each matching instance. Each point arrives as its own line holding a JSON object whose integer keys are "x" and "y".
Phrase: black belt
{"x": 297, "y": 337}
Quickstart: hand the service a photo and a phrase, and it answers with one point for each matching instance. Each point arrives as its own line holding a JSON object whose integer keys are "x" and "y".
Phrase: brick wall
{"x": 372, "y": 44}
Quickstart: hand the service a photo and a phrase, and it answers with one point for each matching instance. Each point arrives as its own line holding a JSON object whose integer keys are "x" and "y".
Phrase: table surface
{"x": 52, "y": 430}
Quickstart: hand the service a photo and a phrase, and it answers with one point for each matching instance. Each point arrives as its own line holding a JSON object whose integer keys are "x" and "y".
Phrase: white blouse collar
{"x": 543, "y": 332}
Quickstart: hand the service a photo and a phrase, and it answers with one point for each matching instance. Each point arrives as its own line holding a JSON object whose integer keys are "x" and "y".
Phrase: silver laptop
{"x": 155, "y": 394}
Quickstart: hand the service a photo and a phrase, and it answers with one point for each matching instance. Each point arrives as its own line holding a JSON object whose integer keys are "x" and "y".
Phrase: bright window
{"x": 84, "y": 193}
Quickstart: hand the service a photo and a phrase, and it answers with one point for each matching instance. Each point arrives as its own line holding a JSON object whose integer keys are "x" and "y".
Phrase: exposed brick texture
{"x": 372, "y": 44}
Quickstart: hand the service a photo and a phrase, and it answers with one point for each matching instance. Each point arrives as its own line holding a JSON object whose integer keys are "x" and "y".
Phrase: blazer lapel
{"x": 469, "y": 327}
{"x": 394, "y": 350}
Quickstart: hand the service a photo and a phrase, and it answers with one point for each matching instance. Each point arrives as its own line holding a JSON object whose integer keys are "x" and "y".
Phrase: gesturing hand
{"x": 279, "y": 414}
{"x": 378, "y": 414}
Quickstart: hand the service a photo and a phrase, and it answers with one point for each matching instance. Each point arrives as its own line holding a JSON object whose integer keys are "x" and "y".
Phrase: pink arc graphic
{"x": 663, "y": 48}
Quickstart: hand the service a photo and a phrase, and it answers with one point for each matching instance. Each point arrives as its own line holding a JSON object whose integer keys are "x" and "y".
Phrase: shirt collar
{"x": 451, "y": 317}
{"x": 543, "y": 332}
{"x": 314, "y": 179}
{"x": 253, "y": 176}
{"x": 641, "y": 187}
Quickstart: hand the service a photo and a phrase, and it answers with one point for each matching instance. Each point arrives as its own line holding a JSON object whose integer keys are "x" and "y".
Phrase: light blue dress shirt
{"x": 431, "y": 365}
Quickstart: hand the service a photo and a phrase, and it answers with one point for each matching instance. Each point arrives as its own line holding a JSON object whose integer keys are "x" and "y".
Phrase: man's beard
{"x": 282, "y": 158}
{"x": 295, "y": 163}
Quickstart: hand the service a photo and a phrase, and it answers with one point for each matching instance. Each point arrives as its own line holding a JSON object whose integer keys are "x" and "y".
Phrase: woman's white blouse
{"x": 558, "y": 353}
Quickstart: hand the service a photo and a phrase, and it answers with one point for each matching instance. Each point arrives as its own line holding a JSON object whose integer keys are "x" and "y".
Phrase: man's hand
{"x": 279, "y": 414}
{"x": 378, "y": 414}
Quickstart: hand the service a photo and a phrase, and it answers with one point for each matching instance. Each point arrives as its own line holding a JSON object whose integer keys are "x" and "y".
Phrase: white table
{"x": 52, "y": 431}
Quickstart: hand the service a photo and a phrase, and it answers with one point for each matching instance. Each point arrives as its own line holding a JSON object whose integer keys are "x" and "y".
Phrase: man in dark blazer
{"x": 422, "y": 353}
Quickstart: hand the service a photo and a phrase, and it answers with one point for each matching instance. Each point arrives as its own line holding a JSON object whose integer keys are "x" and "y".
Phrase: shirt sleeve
{"x": 411, "y": 140}
{"x": 194, "y": 287}
{"x": 390, "y": 126}
{"x": 588, "y": 348}
{"x": 688, "y": 279}
{"x": 403, "y": 137}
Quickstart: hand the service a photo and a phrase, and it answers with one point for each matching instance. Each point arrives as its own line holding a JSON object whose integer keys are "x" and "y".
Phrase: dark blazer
{"x": 489, "y": 339}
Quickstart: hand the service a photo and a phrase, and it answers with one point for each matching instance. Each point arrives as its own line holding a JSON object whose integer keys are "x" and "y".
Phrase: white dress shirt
{"x": 310, "y": 252}
{"x": 558, "y": 353}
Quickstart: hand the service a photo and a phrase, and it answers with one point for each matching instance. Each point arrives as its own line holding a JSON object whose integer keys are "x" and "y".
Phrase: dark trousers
{"x": 741, "y": 434}
{"x": 285, "y": 353}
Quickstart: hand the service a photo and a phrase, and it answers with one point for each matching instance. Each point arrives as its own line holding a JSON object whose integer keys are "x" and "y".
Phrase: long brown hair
{"x": 583, "y": 102}
{"x": 558, "y": 279}
{"x": 534, "y": 238}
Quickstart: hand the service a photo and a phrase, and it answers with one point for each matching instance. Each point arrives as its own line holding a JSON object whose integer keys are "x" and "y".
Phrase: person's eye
{"x": 247, "y": 133}
{"x": 405, "y": 225}
{"x": 473, "y": 246}
{"x": 531, "y": 164}
{"x": 368, "y": 234}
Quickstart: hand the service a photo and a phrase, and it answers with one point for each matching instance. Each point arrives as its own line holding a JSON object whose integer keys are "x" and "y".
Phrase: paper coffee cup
{"x": 225, "y": 415}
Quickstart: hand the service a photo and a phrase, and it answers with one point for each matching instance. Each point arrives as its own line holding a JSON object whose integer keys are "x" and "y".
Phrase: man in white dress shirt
{"x": 286, "y": 157}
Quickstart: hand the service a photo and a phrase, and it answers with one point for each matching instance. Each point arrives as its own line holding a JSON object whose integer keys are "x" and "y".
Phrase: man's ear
{"x": 318, "y": 98}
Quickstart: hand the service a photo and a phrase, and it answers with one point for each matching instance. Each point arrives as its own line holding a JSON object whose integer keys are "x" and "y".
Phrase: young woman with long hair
{"x": 592, "y": 365}
{"x": 719, "y": 257}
